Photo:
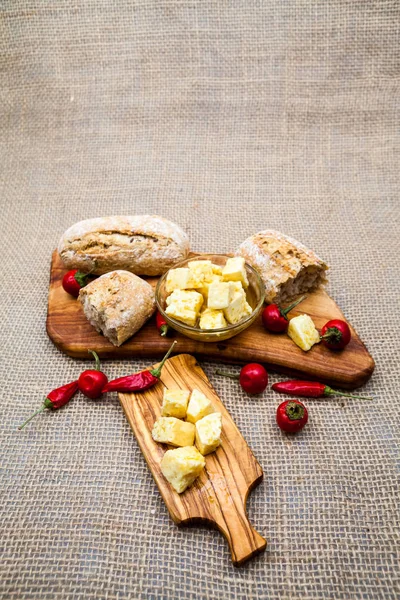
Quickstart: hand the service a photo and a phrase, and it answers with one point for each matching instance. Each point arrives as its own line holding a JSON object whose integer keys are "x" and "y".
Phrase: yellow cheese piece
{"x": 234, "y": 270}
{"x": 216, "y": 269}
{"x": 199, "y": 406}
{"x": 184, "y": 306}
{"x": 169, "y": 430}
{"x": 206, "y": 286}
{"x": 208, "y": 433}
{"x": 212, "y": 319}
{"x": 201, "y": 270}
{"x": 302, "y": 331}
{"x": 219, "y": 294}
{"x": 177, "y": 279}
{"x": 175, "y": 403}
{"x": 182, "y": 466}
{"x": 238, "y": 309}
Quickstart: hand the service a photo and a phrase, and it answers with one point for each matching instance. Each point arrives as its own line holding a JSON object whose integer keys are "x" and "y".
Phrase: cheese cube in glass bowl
{"x": 189, "y": 325}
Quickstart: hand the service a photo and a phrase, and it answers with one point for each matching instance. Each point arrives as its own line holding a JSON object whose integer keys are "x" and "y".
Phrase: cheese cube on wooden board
{"x": 303, "y": 332}
{"x": 169, "y": 430}
{"x": 208, "y": 433}
{"x": 182, "y": 466}
{"x": 199, "y": 406}
{"x": 175, "y": 403}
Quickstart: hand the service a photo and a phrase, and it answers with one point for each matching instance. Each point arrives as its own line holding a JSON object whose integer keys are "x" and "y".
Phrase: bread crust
{"x": 117, "y": 304}
{"x": 287, "y": 267}
{"x": 141, "y": 244}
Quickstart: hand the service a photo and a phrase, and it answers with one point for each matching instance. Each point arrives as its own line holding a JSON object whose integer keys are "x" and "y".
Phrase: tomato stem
{"x": 225, "y": 374}
{"x": 96, "y": 357}
{"x": 285, "y": 311}
{"x": 294, "y": 411}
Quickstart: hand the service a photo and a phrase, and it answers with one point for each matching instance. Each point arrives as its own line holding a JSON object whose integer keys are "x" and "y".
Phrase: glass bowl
{"x": 254, "y": 293}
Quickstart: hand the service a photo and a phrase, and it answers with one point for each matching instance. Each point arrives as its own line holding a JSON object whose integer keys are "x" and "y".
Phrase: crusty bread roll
{"x": 286, "y": 267}
{"x": 117, "y": 304}
{"x": 141, "y": 244}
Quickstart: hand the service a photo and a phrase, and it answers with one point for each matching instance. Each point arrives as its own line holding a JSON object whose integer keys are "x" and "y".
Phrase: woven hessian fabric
{"x": 226, "y": 117}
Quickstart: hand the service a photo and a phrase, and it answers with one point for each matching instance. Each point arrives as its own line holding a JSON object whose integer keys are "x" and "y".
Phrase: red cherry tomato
{"x": 291, "y": 416}
{"x": 253, "y": 378}
{"x": 274, "y": 318}
{"x": 92, "y": 381}
{"x": 335, "y": 334}
{"x": 73, "y": 281}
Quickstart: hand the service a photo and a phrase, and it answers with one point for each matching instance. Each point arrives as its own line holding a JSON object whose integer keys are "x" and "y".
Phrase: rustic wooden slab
{"x": 218, "y": 497}
{"x": 72, "y": 333}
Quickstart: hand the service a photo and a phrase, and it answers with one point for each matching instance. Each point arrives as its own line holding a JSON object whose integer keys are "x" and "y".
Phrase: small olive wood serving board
{"x": 218, "y": 497}
{"x": 73, "y": 334}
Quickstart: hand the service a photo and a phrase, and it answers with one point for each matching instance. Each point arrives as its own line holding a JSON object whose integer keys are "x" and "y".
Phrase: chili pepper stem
{"x": 96, "y": 358}
{"x": 225, "y": 374}
{"x": 41, "y": 409}
{"x": 330, "y": 392}
{"x": 157, "y": 372}
{"x": 291, "y": 307}
{"x": 163, "y": 330}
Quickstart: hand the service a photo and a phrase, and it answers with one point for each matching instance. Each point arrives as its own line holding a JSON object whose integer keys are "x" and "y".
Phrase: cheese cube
{"x": 208, "y": 433}
{"x": 238, "y": 309}
{"x": 302, "y": 331}
{"x": 206, "y": 286}
{"x": 177, "y": 279}
{"x": 182, "y": 466}
{"x": 212, "y": 319}
{"x": 219, "y": 295}
{"x": 186, "y": 298}
{"x": 234, "y": 270}
{"x": 199, "y": 406}
{"x": 169, "y": 430}
{"x": 175, "y": 403}
{"x": 216, "y": 269}
{"x": 184, "y": 306}
{"x": 201, "y": 269}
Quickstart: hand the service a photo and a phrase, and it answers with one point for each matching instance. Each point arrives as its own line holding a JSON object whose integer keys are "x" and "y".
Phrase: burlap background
{"x": 226, "y": 117}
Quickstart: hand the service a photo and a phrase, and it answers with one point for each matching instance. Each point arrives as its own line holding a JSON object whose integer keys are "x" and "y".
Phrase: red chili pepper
{"x": 335, "y": 334}
{"x": 310, "y": 389}
{"x": 291, "y": 416}
{"x": 56, "y": 399}
{"x": 162, "y": 324}
{"x": 138, "y": 381}
{"x": 73, "y": 281}
{"x": 253, "y": 378}
{"x": 92, "y": 381}
{"x": 274, "y": 318}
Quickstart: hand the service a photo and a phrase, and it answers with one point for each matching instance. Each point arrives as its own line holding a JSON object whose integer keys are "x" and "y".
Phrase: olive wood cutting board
{"x": 218, "y": 496}
{"x": 69, "y": 329}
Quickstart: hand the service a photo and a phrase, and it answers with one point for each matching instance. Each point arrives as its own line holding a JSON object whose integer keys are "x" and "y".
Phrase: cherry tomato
{"x": 73, "y": 281}
{"x": 291, "y": 416}
{"x": 253, "y": 378}
{"x": 274, "y": 318}
{"x": 335, "y": 334}
{"x": 92, "y": 381}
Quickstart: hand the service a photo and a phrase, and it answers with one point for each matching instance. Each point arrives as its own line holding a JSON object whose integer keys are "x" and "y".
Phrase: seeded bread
{"x": 286, "y": 267}
{"x": 117, "y": 304}
{"x": 141, "y": 244}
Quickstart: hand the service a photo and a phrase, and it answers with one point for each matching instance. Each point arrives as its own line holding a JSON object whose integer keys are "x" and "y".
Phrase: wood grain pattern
{"x": 218, "y": 497}
{"x": 73, "y": 334}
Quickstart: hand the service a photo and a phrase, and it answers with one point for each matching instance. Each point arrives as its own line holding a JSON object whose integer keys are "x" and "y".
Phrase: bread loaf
{"x": 141, "y": 244}
{"x": 117, "y": 304}
{"x": 286, "y": 267}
